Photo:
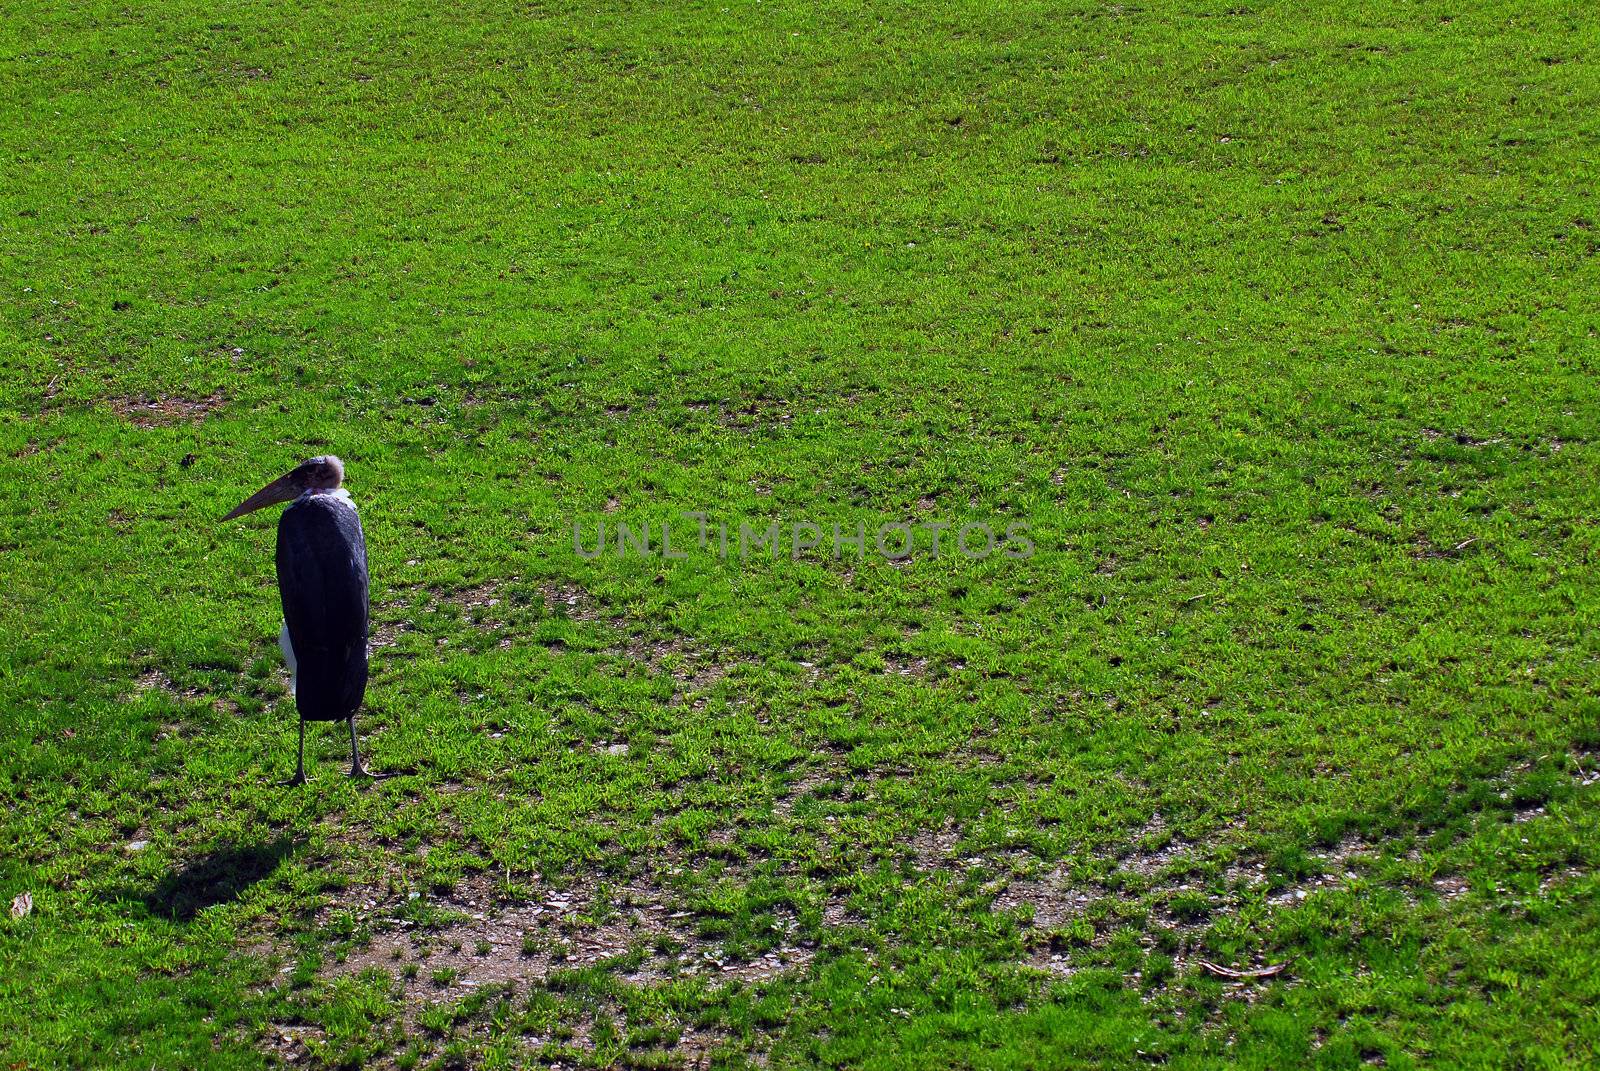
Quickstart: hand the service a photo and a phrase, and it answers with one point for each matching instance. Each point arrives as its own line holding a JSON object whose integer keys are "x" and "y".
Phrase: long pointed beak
{"x": 282, "y": 489}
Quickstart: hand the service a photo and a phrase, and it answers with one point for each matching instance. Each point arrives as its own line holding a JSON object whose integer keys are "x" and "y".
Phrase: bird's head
{"x": 324, "y": 473}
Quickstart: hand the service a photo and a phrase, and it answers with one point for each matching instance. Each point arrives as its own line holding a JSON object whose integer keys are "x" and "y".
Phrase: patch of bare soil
{"x": 157, "y": 412}
{"x": 485, "y": 605}
{"x": 482, "y": 605}
{"x": 693, "y": 670}
{"x": 289, "y": 1041}
{"x": 571, "y": 600}
{"x": 489, "y": 607}
{"x": 514, "y": 945}
{"x": 156, "y": 680}
{"x": 386, "y": 632}
{"x": 905, "y": 665}
{"x": 1156, "y": 875}
{"x": 807, "y": 783}
{"x": 934, "y": 849}
{"x": 756, "y": 414}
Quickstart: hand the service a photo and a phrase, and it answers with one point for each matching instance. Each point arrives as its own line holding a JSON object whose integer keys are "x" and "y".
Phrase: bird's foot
{"x": 298, "y": 779}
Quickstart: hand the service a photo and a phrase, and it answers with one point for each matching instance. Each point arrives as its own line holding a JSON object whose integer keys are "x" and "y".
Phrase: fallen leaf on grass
{"x": 1257, "y": 972}
{"x": 21, "y": 904}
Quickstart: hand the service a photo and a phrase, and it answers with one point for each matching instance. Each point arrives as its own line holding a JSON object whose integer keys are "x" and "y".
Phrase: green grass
{"x": 1276, "y": 326}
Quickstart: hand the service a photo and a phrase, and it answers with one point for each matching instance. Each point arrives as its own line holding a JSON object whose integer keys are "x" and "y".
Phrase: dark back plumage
{"x": 322, "y": 579}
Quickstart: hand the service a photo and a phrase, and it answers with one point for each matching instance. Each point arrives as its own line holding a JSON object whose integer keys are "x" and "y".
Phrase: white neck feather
{"x": 338, "y": 494}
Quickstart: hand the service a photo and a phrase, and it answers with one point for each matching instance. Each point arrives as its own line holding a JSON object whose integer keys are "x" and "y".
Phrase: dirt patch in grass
{"x": 1155, "y": 849}
{"x": 757, "y": 414}
{"x": 806, "y": 784}
{"x": 559, "y": 598}
{"x": 494, "y": 605}
{"x": 905, "y": 665}
{"x": 933, "y": 850}
{"x": 693, "y": 670}
{"x": 291, "y": 1042}
{"x": 157, "y": 412}
{"x": 571, "y": 601}
{"x": 482, "y": 605}
{"x": 386, "y": 633}
{"x": 477, "y": 938}
{"x": 1175, "y": 889}
{"x": 637, "y": 929}
{"x": 514, "y": 613}
{"x": 157, "y": 680}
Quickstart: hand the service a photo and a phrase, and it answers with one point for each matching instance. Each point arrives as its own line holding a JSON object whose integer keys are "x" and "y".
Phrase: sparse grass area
{"x": 1277, "y": 327}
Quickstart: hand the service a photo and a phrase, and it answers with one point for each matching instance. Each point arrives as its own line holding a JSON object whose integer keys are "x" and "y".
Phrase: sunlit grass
{"x": 1271, "y": 325}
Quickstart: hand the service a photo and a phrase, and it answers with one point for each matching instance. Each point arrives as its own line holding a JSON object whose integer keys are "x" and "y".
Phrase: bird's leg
{"x": 299, "y": 777}
{"x": 356, "y": 769}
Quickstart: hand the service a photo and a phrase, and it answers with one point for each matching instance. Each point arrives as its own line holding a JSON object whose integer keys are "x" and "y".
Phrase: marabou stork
{"x": 322, "y": 581}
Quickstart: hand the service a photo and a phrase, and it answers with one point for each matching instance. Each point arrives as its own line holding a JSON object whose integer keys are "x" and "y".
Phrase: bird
{"x": 323, "y": 585}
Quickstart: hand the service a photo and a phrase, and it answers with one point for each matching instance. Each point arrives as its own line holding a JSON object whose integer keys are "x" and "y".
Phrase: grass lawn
{"x": 1274, "y": 325}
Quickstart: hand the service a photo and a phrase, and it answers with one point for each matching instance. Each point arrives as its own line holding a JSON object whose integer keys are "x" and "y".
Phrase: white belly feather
{"x": 286, "y": 645}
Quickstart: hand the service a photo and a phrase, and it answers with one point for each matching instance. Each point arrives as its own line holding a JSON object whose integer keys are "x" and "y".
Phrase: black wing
{"x": 322, "y": 579}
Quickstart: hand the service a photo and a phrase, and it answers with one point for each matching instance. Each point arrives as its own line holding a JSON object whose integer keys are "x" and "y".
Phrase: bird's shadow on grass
{"x": 220, "y": 876}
